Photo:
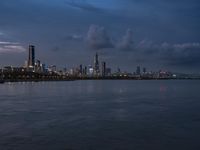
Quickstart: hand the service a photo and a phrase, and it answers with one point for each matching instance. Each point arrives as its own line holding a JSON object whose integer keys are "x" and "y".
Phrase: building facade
{"x": 31, "y": 56}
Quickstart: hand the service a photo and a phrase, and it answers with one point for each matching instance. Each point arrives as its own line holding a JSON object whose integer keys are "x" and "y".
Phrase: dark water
{"x": 100, "y": 115}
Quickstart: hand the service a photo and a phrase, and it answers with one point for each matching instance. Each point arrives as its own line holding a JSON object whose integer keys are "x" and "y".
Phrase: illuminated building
{"x": 52, "y": 68}
{"x": 26, "y": 64}
{"x": 43, "y": 68}
{"x": 37, "y": 66}
{"x": 91, "y": 70}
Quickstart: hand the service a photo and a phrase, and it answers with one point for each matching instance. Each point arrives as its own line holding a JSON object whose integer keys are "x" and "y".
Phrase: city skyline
{"x": 98, "y": 67}
{"x": 35, "y": 70}
{"x": 154, "y": 34}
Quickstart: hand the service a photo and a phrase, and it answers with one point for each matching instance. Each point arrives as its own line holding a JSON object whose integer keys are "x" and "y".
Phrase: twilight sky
{"x": 157, "y": 34}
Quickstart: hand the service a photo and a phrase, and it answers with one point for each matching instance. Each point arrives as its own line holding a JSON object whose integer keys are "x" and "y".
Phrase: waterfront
{"x": 100, "y": 115}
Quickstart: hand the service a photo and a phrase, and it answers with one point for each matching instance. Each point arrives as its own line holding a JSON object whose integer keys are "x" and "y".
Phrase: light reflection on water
{"x": 100, "y": 115}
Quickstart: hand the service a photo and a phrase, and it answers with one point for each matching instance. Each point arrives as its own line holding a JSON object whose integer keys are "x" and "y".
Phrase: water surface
{"x": 100, "y": 115}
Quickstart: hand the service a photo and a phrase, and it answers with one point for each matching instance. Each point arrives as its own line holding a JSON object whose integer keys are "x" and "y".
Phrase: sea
{"x": 100, "y": 115}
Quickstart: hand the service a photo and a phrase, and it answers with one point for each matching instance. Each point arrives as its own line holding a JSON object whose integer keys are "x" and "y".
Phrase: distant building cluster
{"x": 98, "y": 69}
{"x": 33, "y": 65}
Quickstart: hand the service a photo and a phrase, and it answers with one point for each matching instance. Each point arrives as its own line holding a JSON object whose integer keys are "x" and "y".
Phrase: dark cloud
{"x": 50, "y": 25}
{"x": 83, "y": 5}
{"x": 126, "y": 42}
{"x": 185, "y": 54}
{"x": 97, "y": 38}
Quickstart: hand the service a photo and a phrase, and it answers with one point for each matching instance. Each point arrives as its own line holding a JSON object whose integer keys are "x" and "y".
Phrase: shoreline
{"x": 89, "y": 78}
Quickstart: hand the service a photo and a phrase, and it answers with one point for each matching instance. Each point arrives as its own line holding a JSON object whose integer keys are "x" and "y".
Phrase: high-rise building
{"x": 96, "y": 64}
{"x": 90, "y": 70}
{"x": 26, "y": 64}
{"x": 52, "y": 68}
{"x": 144, "y": 70}
{"x": 81, "y": 69}
{"x": 85, "y": 70}
{"x": 37, "y": 66}
{"x": 103, "y": 67}
{"x": 43, "y": 68}
{"x": 138, "y": 70}
{"x": 118, "y": 70}
{"x": 37, "y": 63}
{"x": 31, "y": 56}
{"x": 108, "y": 71}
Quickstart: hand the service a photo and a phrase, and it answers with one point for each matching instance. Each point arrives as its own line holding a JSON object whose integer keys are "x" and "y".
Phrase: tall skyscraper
{"x": 138, "y": 72}
{"x": 81, "y": 69}
{"x": 85, "y": 70}
{"x": 118, "y": 70}
{"x": 31, "y": 56}
{"x": 90, "y": 70}
{"x": 37, "y": 66}
{"x": 103, "y": 67}
{"x": 144, "y": 70}
{"x": 108, "y": 71}
{"x": 96, "y": 64}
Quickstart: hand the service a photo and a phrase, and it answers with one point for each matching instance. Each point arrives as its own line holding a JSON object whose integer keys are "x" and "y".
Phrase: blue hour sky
{"x": 157, "y": 34}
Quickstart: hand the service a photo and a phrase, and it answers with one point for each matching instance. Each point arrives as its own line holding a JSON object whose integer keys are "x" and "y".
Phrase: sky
{"x": 156, "y": 34}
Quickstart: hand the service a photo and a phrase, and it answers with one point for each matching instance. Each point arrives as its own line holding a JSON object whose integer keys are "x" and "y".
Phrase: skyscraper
{"x": 96, "y": 64}
{"x": 85, "y": 70}
{"x": 37, "y": 66}
{"x": 80, "y": 69}
{"x": 138, "y": 70}
{"x": 103, "y": 67}
{"x": 144, "y": 70}
{"x": 108, "y": 71}
{"x": 31, "y": 56}
{"x": 90, "y": 70}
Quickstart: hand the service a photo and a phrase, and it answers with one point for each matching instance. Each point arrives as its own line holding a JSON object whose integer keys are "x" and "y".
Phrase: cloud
{"x": 11, "y": 47}
{"x": 173, "y": 54}
{"x": 8, "y": 43}
{"x": 145, "y": 44}
{"x": 83, "y": 5}
{"x": 187, "y": 46}
{"x": 97, "y": 38}
{"x": 126, "y": 43}
{"x": 74, "y": 37}
{"x": 183, "y": 54}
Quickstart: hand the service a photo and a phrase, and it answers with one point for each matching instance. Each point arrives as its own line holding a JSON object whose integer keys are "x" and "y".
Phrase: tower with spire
{"x": 96, "y": 64}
